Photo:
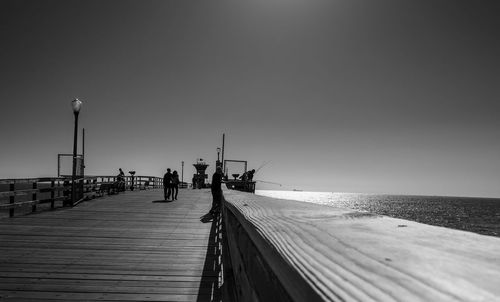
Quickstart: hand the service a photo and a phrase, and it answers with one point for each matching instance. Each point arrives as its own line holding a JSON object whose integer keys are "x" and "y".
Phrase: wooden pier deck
{"x": 126, "y": 247}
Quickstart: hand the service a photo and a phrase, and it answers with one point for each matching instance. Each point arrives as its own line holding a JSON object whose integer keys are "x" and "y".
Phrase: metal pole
{"x": 83, "y": 152}
{"x": 58, "y": 165}
{"x": 182, "y": 172}
{"x": 223, "y": 163}
{"x": 73, "y": 175}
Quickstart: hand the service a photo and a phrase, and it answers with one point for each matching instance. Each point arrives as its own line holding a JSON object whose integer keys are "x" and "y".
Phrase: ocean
{"x": 478, "y": 215}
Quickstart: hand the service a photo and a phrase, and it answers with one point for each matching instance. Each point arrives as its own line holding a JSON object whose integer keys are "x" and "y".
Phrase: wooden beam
{"x": 321, "y": 253}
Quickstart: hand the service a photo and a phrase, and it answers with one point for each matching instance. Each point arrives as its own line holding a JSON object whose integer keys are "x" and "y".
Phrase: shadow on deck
{"x": 211, "y": 280}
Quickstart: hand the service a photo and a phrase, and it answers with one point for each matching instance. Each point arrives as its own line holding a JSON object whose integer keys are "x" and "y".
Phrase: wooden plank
{"x": 102, "y": 277}
{"x": 127, "y": 247}
{"x": 116, "y": 288}
{"x": 79, "y": 296}
{"x": 106, "y": 283}
{"x": 320, "y": 253}
{"x": 18, "y": 204}
{"x": 192, "y": 269}
{"x": 25, "y": 192}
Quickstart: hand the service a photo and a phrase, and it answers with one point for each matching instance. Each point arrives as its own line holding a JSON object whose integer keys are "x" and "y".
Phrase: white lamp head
{"x": 76, "y": 104}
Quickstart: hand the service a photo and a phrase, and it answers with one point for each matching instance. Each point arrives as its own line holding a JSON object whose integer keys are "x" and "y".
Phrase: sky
{"x": 359, "y": 96}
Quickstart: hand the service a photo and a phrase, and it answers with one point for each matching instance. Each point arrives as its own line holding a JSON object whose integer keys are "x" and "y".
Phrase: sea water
{"x": 478, "y": 215}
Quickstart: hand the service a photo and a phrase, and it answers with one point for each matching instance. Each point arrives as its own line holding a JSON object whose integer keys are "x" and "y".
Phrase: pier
{"x": 136, "y": 247}
{"x": 125, "y": 247}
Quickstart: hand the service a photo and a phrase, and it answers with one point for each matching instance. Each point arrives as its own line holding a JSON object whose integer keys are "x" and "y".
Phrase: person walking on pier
{"x": 216, "y": 191}
{"x": 175, "y": 185}
{"x": 167, "y": 184}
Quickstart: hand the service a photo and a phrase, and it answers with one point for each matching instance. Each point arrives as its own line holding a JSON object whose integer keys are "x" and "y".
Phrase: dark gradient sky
{"x": 349, "y": 96}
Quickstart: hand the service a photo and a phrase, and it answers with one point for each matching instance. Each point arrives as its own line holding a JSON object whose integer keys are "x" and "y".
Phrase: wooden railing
{"x": 16, "y": 193}
{"x": 283, "y": 250}
{"x": 135, "y": 183}
{"x": 30, "y": 192}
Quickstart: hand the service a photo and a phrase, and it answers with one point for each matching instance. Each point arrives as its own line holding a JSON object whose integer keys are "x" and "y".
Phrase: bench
{"x": 144, "y": 186}
{"x": 109, "y": 187}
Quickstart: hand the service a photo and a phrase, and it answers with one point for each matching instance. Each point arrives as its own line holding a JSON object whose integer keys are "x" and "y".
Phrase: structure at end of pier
{"x": 200, "y": 176}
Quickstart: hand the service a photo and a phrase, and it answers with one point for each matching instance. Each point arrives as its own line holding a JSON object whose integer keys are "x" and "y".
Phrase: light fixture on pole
{"x": 132, "y": 173}
{"x": 182, "y": 173}
{"x": 76, "y": 104}
{"x": 218, "y": 163}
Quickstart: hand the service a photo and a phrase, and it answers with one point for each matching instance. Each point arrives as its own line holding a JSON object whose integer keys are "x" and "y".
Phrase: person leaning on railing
{"x": 120, "y": 181}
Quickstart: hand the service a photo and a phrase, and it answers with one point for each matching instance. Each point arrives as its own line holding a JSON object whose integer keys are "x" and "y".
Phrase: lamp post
{"x": 76, "y": 104}
{"x": 132, "y": 173}
{"x": 218, "y": 163}
{"x": 182, "y": 173}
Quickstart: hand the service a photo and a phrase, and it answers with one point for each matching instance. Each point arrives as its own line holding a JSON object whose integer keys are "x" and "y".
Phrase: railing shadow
{"x": 211, "y": 281}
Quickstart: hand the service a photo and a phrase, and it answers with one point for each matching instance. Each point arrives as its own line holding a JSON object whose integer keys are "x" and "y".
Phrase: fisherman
{"x": 216, "y": 191}
{"x": 250, "y": 174}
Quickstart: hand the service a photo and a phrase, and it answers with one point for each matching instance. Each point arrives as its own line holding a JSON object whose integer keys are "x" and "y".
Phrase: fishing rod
{"x": 262, "y": 166}
{"x": 270, "y": 182}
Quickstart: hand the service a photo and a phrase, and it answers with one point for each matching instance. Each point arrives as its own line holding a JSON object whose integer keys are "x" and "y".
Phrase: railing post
{"x": 12, "y": 198}
{"x": 52, "y": 193}
{"x": 81, "y": 187}
{"x": 33, "y": 196}
{"x": 66, "y": 192}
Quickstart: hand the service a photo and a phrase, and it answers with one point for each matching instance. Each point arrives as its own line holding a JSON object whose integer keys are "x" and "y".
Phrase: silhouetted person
{"x": 121, "y": 175}
{"x": 167, "y": 184}
{"x": 216, "y": 191}
{"x": 175, "y": 185}
{"x": 120, "y": 181}
{"x": 250, "y": 174}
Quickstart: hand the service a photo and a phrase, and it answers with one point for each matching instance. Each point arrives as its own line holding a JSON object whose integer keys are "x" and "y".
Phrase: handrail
{"x": 283, "y": 250}
{"x": 20, "y": 192}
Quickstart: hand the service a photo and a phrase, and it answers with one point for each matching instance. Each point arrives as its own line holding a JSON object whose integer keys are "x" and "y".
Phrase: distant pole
{"x": 182, "y": 172}
{"x": 76, "y": 104}
{"x": 83, "y": 151}
{"x": 223, "y": 163}
{"x": 58, "y": 165}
